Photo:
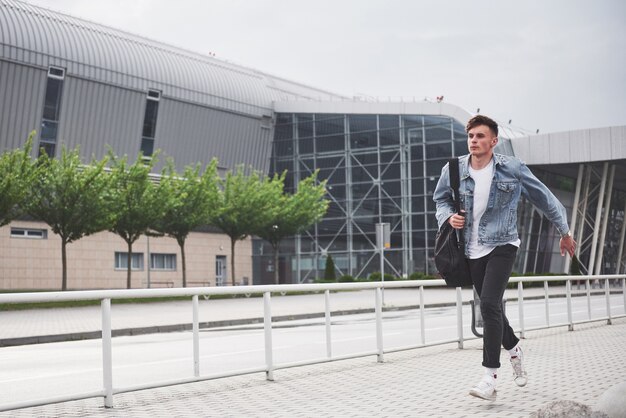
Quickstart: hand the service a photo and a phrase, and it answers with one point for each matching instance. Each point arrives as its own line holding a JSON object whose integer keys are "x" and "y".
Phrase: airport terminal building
{"x": 77, "y": 82}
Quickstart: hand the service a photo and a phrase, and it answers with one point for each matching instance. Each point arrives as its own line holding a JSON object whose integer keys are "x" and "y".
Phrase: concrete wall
{"x": 35, "y": 263}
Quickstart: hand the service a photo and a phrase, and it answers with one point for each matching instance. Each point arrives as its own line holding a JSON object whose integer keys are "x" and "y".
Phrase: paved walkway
{"x": 431, "y": 381}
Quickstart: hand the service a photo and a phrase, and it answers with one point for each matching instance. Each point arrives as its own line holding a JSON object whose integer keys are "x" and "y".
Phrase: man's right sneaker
{"x": 484, "y": 390}
{"x": 519, "y": 373}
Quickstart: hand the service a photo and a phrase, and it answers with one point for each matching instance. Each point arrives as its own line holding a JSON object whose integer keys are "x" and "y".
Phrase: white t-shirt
{"x": 482, "y": 186}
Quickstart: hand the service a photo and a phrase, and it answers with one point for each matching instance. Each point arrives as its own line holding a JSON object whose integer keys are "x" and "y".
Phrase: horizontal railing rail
{"x": 105, "y": 297}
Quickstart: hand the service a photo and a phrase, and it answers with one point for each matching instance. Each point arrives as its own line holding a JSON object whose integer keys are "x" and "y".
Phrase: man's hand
{"x": 457, "y": 221}
{"x": 568, "y": 245}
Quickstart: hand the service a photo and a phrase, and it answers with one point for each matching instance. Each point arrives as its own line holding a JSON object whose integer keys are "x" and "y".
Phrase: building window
{"x": 29, "y": 233}
{"x": 51, "y": 111}
{"x": 163, "y": 262}
{"x": 121, "y": 261}
{"x": 149, "y": 123}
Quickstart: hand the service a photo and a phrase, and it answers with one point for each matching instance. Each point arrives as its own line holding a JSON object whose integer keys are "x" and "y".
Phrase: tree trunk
{"x": 181, "y": 244}
{"x": 232, "y": 259}
{"x": 130, "y": 262}
{"x": 63, "y": 264}
{"x": 276, "y": 275}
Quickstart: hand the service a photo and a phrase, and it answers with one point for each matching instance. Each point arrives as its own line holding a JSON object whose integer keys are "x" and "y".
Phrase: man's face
{"x": 480, "y": 141}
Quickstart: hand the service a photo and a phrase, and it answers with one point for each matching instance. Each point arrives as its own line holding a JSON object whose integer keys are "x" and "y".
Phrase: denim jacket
{"x": 511, "y": 179}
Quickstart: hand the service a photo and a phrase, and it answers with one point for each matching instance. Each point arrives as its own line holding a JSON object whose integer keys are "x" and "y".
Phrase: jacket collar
{"x": 498, "y": 159}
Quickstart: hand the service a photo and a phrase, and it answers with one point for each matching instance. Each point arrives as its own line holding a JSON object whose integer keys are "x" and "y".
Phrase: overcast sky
{"x": 552, "y": 65}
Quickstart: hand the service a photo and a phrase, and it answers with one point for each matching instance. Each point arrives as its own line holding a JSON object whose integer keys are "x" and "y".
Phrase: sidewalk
{"x": 432, "y": 381}
{"x": 64, "y": 324}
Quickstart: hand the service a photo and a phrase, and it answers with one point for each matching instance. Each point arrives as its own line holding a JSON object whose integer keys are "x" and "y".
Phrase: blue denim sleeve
{"x": 539, "y": 195}
{"x": 443, "y": 197}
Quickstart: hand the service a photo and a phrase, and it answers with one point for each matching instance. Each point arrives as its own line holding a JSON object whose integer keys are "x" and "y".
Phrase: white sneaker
{"x": 484, "y": 390}
{"x": 519, "y": 373}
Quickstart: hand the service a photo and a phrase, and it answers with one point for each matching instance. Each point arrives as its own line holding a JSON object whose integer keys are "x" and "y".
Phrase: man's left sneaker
{"x": 519, "y": 373}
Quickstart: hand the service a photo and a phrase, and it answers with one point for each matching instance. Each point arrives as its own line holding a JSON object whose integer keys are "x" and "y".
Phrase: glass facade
{"x": 51, "y": 111}
{"x": 379, "y": 168}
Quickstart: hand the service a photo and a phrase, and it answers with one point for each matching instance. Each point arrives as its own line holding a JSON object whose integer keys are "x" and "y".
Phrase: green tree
{"x": 189, "y": 201}
{"x": 138, "y": 206}
{"x": 291, "y": 214}
{"x": 329, "y": 270}
{"x": 17, "y": 173}
{"x": 70, "y": 197}
{"x": 244, "y": 202}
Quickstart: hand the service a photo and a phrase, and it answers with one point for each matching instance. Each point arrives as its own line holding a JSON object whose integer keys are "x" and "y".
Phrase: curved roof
{"x": 42, "y": 37}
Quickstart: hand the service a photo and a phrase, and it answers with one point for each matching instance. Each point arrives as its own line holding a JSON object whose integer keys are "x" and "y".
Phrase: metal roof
{"x": 41, "y": 37}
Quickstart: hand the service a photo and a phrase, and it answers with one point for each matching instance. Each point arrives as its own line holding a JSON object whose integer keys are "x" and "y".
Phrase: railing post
{"x": 520, "y": 307}
{"x": 329, "y": 349}
{"x": 196, "y": 336}
{"x": 379, "y": 324}
{"x": 422, "y": 322}
{"x": 568, "y": 291}
{"x": 107, "y": 356}
{"x": 547, "y": 296}
{"x": 588, "y": 288}
{"x": 267, "y": 325}
{"x": 608, "y": 301}
{"x": 459, "y": 316}
{"x": 624, "y": 292}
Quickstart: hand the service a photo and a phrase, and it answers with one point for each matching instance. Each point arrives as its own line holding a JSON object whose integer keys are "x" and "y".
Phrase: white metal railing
{"x": 105, "y": 296}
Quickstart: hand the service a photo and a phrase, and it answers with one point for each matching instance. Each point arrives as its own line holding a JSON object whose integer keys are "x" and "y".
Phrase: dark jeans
{"x": 490, "y": 275}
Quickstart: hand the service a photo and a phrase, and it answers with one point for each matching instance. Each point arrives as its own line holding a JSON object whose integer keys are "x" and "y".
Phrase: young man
{"x": 490, "y": 189}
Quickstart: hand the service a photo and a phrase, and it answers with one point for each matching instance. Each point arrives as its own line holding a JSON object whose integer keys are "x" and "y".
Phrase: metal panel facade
{"x": 21, "y": 101}
{"x": 95, "y": 115}
{"x": 191, "y": 133}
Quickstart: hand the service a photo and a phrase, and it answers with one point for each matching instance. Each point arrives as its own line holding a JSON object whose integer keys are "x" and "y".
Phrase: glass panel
{"x": 417, "y": 169}
{"x": 338, "y": 191}
{"x": 49, "y": 130}
{"x": 460, "y": 147}
{"x": 437, "y": 128}
{"x": 305, "y": 126}
{"x": 330, "y": 143}
{"x": 364, "y": 174}
{"x": 362, "y": 123}
{"x": 283, "y": 148}
{"x": 284, "y": 127}
{"x": 417, "y": 204}
{"x": 150, "y": 119}
{"x": 411, "y": 121}
{"x": 389, "y": 130}
{"x": 363, "y": 131}
{"x": 443, "y": 150}
{"x": 147, "y": 146}
{"x": 52, "y": 101}
{"x": 433, "y": 167}
{"x": 393, "y": 188}
{"x": 417, "y": 187}
{"x": 281, "y": 166}
{"x": 328, "y": 125}
{"x": 305, "y": 146}
{"x": 391, "y": 171}
{"x": 459, "y": 131}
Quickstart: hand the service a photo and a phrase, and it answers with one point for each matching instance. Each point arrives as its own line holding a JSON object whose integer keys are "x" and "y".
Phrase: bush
{"x": 346, "y": 278}
{"x": 329, "y": 271}
{"x": 375, "y": 277}
{"x": 418, "y": 275}
{"x": 321, "y": 280}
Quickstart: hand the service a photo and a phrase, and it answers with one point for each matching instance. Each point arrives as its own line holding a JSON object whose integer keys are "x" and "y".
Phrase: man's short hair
{"x": 482, "y": 120}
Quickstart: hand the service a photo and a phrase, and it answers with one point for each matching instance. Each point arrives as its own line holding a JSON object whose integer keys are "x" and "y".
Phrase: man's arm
{"x": 539, "y": 195}
{"x": 443, "y": 197}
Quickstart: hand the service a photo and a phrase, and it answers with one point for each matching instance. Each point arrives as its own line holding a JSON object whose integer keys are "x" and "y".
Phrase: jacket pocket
{"x": 504, "y": 193}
